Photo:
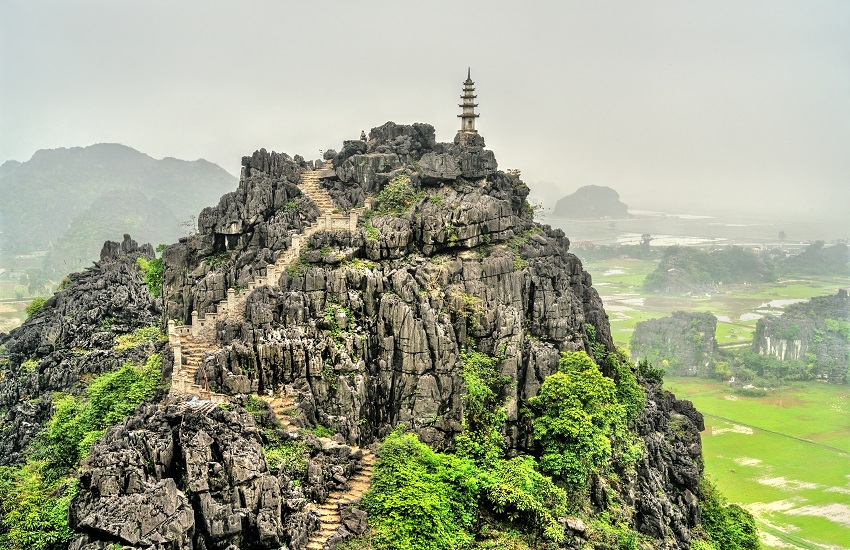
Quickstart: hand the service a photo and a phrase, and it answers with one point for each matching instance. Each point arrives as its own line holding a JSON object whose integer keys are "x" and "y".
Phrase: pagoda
{"x": 468, "y": 116}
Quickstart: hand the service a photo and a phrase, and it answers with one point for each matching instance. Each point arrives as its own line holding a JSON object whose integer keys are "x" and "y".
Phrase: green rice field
{"x": 737, "y": 307}
{"x": 785, "y": 457}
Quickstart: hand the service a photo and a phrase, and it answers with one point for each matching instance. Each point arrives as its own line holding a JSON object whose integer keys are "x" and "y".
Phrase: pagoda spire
{"x": 468, "y": 115}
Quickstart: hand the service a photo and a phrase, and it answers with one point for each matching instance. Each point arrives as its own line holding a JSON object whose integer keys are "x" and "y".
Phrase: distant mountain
{"x": 8, "y": 167}
{"x": 113, "y": 213}
{"x": 591, "y": 202}
{"x": 76, "y": 198}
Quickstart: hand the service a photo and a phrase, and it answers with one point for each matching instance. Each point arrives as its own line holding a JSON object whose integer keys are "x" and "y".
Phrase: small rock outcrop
{"x": 815, "y": 332}
{"x": 682, "y": 343}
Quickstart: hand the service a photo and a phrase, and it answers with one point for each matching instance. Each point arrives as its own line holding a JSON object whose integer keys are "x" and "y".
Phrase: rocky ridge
{"x": 366, "y": 326}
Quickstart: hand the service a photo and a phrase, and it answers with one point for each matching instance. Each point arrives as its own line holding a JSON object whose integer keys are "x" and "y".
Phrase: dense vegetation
{"x": 684, "y": 269}
{"x": 477, "y": 498}
{"x": 818, "y": 259}
{"x": 34, "y": 496}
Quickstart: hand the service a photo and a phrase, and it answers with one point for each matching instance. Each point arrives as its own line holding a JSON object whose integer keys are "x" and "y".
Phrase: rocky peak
{"x": 369, "y": 320}
{"x": 359, "y": 316}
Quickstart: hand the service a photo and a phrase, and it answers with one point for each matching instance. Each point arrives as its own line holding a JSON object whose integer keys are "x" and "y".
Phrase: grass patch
{"x": 151, "y": 333}
{"x": 783, "y": 456}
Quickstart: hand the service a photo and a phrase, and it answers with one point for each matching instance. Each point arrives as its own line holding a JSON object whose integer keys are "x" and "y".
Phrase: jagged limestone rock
{"x": 73, "y": 336}
{"x": 189, "y": 475}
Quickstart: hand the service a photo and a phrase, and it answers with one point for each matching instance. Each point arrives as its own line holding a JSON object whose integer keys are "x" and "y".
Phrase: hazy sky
{"x": 677, "y": 105}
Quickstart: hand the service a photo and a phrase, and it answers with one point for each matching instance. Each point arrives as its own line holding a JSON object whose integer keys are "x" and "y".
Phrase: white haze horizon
{"x": 679, "y": 106}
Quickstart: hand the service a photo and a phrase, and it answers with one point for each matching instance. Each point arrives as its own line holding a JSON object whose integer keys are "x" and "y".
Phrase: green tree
{"x": 576, "y": 412}
{"x": 153, "y": 271}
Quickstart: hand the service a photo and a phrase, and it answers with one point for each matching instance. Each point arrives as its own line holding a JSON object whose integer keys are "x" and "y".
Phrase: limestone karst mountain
{"x": 591, "y": 202}
{"x": 321, "y": 305}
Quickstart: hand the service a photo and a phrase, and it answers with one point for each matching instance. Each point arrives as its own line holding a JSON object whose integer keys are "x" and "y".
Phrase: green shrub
{"x": 34, "y": 510}
{"x": 78, "y": 422}
{"x": 29, "y": 365}
{"x": 372, "y": 233}
{"x": 649, "y": 372}
{"x": 396, "y": 197}
{"x": 484, "y": 414}
{"x": 288, "y": 458}
{"x": 728, "y": 526}
{"x": 217, "y": 259}
{"x": 64, "y": 283}
{"x": 517, "y": 490}
{"x": 322, "y": 431}
{"x": 35, "y": 307}
{"x": 298, "y": 267}
{"x": 608, "y": 530}
{"x": 360, "y": 264}
{"x": 420, "y": 499}
{"x": 153, "y": 273}
{"x": 631, "y": 395}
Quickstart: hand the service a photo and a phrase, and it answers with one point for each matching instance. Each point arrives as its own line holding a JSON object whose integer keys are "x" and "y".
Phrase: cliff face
{"x": 359, "y": 319}
{"x": 816, "y": 332}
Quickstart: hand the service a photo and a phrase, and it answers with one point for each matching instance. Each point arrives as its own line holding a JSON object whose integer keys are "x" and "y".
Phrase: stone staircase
{"x": 329, "y": 511}
{"x": 198, "y": 338}
{"x": 310, "y": 186}
{"x": 189, "y": 350}
{"x": 281, "y": 406}
{"x": 359, "y": 483}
